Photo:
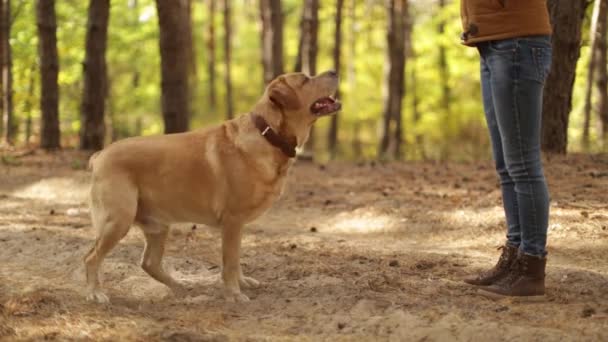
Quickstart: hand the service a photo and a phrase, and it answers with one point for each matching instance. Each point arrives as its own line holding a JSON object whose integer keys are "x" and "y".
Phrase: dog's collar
{"x": 274, "y": 138}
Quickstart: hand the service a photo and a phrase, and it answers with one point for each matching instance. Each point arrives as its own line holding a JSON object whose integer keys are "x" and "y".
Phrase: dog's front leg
{"x": 231, "y": 266}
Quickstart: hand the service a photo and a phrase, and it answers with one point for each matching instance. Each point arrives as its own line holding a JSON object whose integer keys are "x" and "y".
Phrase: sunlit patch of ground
{"x": 351, "y": 252}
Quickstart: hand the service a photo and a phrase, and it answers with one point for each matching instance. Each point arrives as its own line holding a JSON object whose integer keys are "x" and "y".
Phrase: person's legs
{"x": 518, "y": 69}
{"x": 509, "y": 198}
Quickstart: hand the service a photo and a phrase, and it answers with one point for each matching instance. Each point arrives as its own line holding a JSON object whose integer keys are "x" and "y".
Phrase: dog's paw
{"x": 248, "y": 282}
{"x": 233, "y": 296}
{"x": 98, "y": 297}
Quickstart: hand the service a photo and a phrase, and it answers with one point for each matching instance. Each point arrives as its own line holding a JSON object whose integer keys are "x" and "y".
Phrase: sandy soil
{"x": 352, "y": 252}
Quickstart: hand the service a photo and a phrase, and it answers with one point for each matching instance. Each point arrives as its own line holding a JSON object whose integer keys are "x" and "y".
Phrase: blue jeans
{"x": 513, "y": 73}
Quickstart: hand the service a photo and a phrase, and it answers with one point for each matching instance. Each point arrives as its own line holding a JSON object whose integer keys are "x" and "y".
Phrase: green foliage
{"x": 133, "y": 104}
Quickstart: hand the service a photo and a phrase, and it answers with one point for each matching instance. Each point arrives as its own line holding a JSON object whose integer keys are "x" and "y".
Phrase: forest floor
{"x": 352, "y": 252}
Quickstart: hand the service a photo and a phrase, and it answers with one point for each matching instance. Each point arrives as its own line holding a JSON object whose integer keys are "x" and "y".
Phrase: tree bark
{"x": 92, "y": 129}
{"x": 444, "y": 80}
{"x": 567, "y": 19}
{"x": 28, "y": 105}
{"x": 7, "y": 74}
{"x": 332, "y": 136}
{"x": 308, "y": 53}
{"x": 357, "y": 144}
{"x": 595, "y": 39}
{"x": 49, "y": 69}
{"x": 602, "y": 79}
{"x": 397, "y": 18}
{"x": 210, "y": 43}
{"x": 227, "y": 60}
{"x": 174, "y": 52}
{"x": 192, "y": 69}
{"x": 272, "y": 39}
{"x": 310, "y": 40}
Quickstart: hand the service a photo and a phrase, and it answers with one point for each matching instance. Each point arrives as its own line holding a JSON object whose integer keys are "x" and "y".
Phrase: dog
{"x": 224, "y": 176}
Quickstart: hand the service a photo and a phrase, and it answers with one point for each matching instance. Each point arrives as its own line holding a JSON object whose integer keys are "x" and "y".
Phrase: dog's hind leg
{"x": 152, "y": 257}
{"x": 112, "y": 213}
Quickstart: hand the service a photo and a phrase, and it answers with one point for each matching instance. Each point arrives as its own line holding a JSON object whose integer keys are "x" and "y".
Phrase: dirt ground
{"x": 352, "y": 252}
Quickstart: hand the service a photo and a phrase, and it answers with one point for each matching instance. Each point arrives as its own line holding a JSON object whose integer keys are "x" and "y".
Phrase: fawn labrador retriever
{"x": 224, "y": 176}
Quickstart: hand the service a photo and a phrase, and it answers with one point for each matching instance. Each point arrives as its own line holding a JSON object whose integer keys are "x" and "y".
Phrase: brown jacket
{"x": 484, "y": 20}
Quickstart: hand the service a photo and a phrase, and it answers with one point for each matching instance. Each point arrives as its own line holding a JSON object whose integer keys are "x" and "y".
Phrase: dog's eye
{"x": 304, "y": 80}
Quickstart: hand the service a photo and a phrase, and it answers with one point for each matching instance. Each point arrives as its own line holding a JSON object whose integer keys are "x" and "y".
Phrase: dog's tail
{"x": 92, "y": 160}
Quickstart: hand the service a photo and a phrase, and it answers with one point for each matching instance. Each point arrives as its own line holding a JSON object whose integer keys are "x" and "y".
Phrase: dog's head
{"x": 305, "y": 98}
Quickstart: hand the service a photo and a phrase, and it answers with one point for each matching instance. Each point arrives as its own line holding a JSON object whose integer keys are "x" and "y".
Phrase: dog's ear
{"x": 282, "y": 95}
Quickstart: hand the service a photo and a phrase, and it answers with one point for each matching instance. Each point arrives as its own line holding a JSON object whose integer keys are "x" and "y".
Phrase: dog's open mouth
{"x": 325, "y": 106}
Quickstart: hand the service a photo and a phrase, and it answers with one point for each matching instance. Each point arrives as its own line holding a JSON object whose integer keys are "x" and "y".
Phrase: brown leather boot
{"x": 525, "y": 279}
{"x": 489, "y": 277}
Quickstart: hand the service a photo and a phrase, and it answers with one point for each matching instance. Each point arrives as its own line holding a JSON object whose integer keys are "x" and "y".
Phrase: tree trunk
{"x": 310, "y": 29}
{"x": 351, "y": 75}
{"x": 192, "y": 69}
{"x": 29, "y": 104}
{"x": 567, "y": 19}
{"x": 92, "y": 129}
{"x": 444, "y": 80}
{"x": 174, "y": 53}
{"x": 210, "y": 42}
{"x": 49, "y": 69}
{"x": 397, "y": 14}
{"x": 332, "y": 136}
{"x": 227, "y": 60}
{"x": 310, "y": 41}
{"x": 595, "y": 39}
{"x": 602, "y": 79}
{"x": 7, "y": 74}
{"x": 272, "y": 39}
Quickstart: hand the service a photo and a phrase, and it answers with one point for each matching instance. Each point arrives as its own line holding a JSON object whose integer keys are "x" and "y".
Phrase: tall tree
{"x": 332, "y": 135}
{"x": 308, "y": 53}
{"x": 602, "y": 79}
{"x": 192, "y": 69}
{"x": 49, "y": 69}
{"x": 272, "y": 38}
{"x": 396, "y": 37}
{"x": 309, "y": 29}
{"x": 175, "y": 56}
{"x": 227, "y": 59}
{"x": 210, "y": 43}
{"x": 7, "y": 73}
{"x": 92, "y": 129}
{"x": 599, "y": 11}
{"x": 567, "y": 20}
{"x": 357, "y": 144}
{"x": 444, "y": 77}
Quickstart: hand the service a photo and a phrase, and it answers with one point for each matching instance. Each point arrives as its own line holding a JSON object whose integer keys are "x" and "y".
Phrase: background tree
{"x": 134, "y": 87}
{"x": 567, "y": 19}
{"x": 228, "y": 59}
{"x": 210, "y": 44}
{"x": 332, "y": 135}
{"x": 602, "y": 79}
{"x": 444, "y": 78}
{"x": 309, "y": 31}
{"x": 309, "y": 25}
{"x": 92, "y": 130}
{"x": 7, "y": 73}
{"x": 599, "y": 15}
{"x": 395, "y": 80}
{"x": 272, "y": 38}
{"x": 175, "y": 54}
{"x": 49, "y": 69}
